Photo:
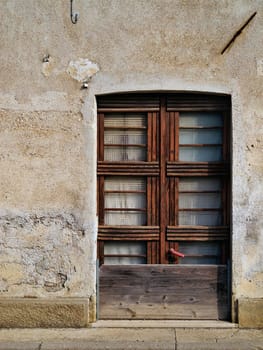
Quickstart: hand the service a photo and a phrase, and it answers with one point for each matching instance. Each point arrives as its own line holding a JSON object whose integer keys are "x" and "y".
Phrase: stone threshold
{"x": 163, "y": 324}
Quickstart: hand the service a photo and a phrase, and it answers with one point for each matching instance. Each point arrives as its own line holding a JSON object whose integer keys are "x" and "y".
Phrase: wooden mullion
{"x": 101, "y": 200}
{"x": 176, "y": 200}
{"x": 163, "y": 185}
{"x": 128, "y": 168}
{"x": 154, "y": 136}
{"x": 149, "y": 137}
{"x": 172, "y": 136}
{"x": 154, "y": 208}
{"x": 157, "y": 200}
{"x": 172, "y": 199}
{"x": 100, "y": 137}
{"x": 149, "y": 252}
{"x": 177, "y": 134}
{"x": 197, "y": 168}
{"x": 149, "y": 201}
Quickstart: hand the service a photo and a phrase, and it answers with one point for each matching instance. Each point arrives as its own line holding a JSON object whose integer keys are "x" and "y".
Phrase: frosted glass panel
{"x": 123, "y": 153}
{"x": 199, "y": 184}
{"x": 125, "y": 137}
{"x": 124, "y": 260}
{"x": 128, "y": 120}
{"x": 196, "y": 119}
{"x": 124, "y": 183}
{"x": 200, "y": 154}
{"x": 203, "y": 218}
{"x": 212, "y": 251}
{"x": 199, "y": 200}
{"x": 125, "y": 200}
{"x": 123, "y": 130}
{"x": 119, "y": 194}
{"x": 123, "y": 249}
{"x": 124, "y": 218}
{"x": 200, "y": 136}
{"x": 123, "y": 197}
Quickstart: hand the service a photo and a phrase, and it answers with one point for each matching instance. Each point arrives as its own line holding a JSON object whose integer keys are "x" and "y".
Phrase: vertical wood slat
{"x": 101, "y": 199}
{"x": 163, "y": 182}
{"x": 163, "y": 292}
{"x": 177, "y": 131}
{"x": 149, "y": 137}
{"x": 171, "y": 150}
{"x": 149, "y": 201}
{"x": 149, "y": 252}
{"x": 100, "y": 135}
{"x": 154, "y": 136}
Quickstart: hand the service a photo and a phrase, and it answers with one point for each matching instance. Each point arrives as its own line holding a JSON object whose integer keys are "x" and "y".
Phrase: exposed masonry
{"x": 39, "y": 251}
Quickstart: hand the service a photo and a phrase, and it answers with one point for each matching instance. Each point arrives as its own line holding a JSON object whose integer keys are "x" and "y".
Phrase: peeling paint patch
{"x": 48, "y": 66}
{"x": 42, "y": 254}
{"x": 82, "y": 69}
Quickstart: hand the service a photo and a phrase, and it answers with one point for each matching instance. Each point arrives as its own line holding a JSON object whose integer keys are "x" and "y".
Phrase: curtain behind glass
{"x": 125, "y": 137}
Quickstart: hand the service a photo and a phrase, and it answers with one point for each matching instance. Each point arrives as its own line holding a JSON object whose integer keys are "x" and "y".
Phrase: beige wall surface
{"x": 48, "y": 222}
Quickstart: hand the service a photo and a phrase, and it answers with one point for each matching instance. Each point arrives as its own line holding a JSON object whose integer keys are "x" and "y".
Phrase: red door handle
{"x": 174, "y": 252}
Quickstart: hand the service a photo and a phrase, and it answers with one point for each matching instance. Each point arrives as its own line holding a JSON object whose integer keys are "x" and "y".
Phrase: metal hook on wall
{"x": 74, "y": 16}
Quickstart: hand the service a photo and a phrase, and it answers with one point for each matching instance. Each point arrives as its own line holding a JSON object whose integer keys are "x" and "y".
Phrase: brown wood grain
{"x": 163, "y": 292}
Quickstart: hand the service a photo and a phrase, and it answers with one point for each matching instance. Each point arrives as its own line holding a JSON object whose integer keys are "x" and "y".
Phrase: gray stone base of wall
{"x": 250, "y": 313}
{"x": 78, "y": 313}
{"x": 42, "y": 313}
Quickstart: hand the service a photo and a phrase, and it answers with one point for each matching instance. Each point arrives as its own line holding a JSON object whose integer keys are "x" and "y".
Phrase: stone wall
{"x": 51, "y": 72}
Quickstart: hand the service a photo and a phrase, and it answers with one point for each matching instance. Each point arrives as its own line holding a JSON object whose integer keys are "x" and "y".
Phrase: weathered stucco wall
{"x": 48, "y": 124}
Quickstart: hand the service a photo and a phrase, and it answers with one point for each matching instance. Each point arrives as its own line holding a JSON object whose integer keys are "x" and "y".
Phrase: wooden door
{"x": 163, "y": 188}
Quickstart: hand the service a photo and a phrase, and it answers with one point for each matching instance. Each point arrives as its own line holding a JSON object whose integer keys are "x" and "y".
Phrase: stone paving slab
{"x": 131, "y": 339}
{"x": 92, "y": 339}
{"x": 219, "y": 339}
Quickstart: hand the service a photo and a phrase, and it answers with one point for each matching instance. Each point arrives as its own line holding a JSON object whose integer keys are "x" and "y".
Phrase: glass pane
{"x": 212, "y": 250}
{"x": 125, "y": 137}
{"x": 199, "y": 119}
{"x": 124, "y": 218}
{"x": 124, "y": 248}
{"x": 134, "y": 120}
{"x": 125, "y": 200}
{"x": 108, "y": 260}
{"x": 200, "y": 154}
{"x": 124, "y": 154}
{"x": 124, "y": 183}
{"x": 199, "y": 184}
{"x": 202, "y": 218}
{"x": 200, "y": 136}
{"x": 199, "y": 200}
{"x": 121, "y": 198}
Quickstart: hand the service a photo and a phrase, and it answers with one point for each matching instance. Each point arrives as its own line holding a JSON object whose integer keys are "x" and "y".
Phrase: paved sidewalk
{"x": 132, "y": 338}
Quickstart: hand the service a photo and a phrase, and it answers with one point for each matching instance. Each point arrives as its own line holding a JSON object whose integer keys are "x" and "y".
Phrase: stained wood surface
{"x": 163, "y": 292}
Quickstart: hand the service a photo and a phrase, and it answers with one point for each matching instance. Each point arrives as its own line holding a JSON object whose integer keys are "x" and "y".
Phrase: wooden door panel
{"x": 163, "y": 292}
